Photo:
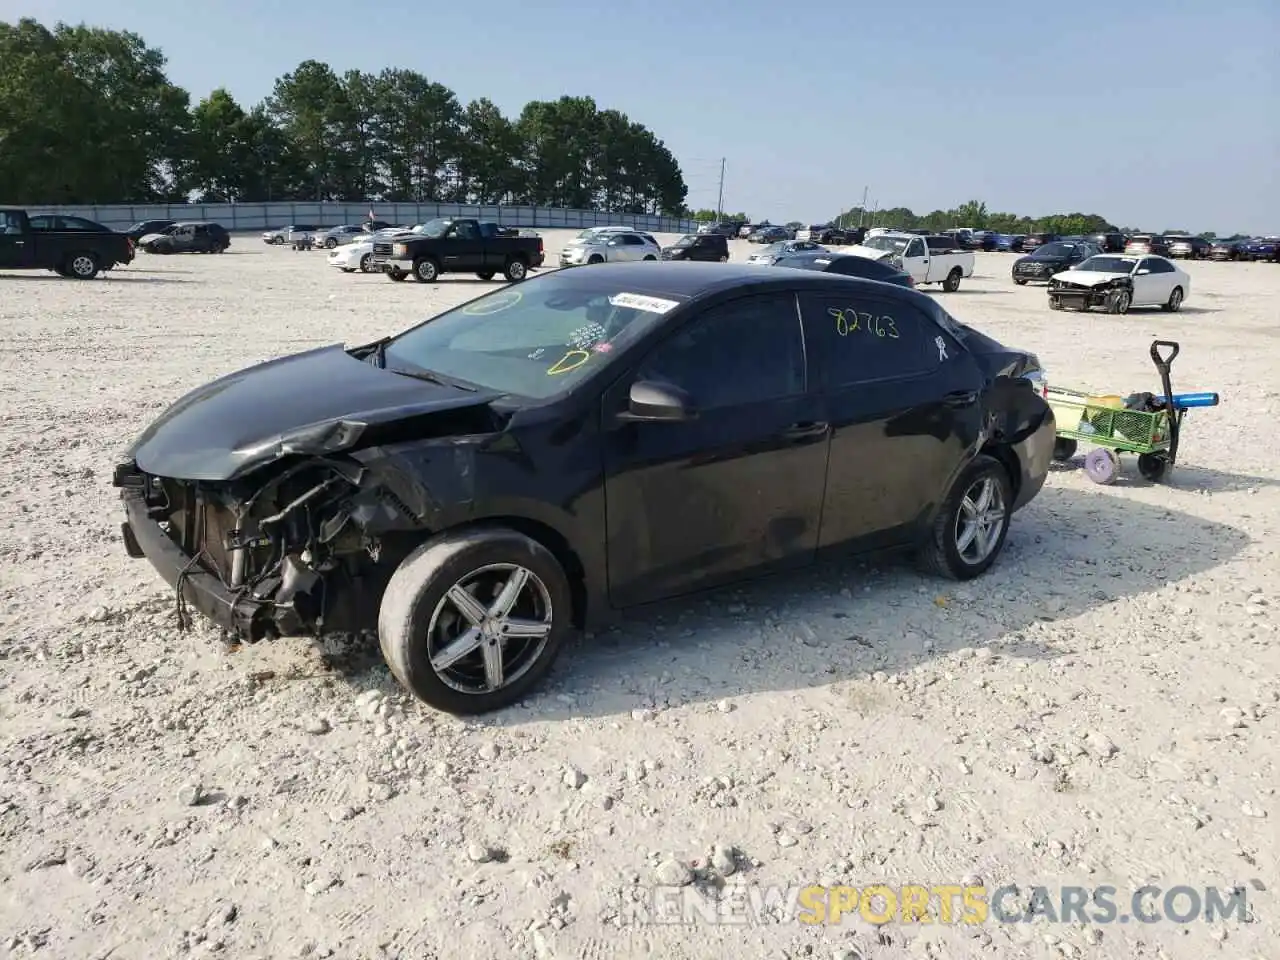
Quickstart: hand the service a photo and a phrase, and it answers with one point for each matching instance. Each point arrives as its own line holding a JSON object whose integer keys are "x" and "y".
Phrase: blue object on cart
{"x": 1183, "y": 401}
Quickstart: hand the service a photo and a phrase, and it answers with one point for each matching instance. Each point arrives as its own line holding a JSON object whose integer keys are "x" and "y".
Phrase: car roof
{"x": 684, "y": 278}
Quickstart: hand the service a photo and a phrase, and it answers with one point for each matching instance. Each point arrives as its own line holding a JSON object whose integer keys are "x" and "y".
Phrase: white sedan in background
{"x": 354, "y": 256}
{"x": 1120, "y": 281}
{"x": 610, "y": 248}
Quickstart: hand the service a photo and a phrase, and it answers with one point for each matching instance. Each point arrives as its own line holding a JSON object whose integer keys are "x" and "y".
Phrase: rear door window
{"x": 860, "y": 337}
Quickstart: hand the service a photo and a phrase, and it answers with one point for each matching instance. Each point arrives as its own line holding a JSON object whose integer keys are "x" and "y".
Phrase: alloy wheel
{"x": 83, "y": 265}
{"x": 980, "y": 521}
{"x": 490, "y": 628}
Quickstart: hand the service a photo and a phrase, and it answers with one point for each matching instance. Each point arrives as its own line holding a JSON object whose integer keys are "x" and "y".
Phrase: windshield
{"x": 535, "y": 341}
{"x": 433, "y": 228}
{"x": 772, "y": 250}
{"x": 1108, "y": 265}
{"x": 892, "y": 244}
{"x": 686, "y": 241}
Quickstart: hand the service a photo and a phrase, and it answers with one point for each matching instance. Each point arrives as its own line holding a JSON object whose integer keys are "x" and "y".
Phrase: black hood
{"x": 314, "y": 402}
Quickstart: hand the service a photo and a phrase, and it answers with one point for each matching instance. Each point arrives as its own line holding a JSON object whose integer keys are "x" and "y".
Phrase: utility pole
{"x": 720, "y": 200}
{"x": 862, "y": 210}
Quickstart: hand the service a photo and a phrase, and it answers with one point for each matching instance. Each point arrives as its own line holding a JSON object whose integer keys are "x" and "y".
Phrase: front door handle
{"x": 960, "y": 398}
{"x": 807, "y": 429}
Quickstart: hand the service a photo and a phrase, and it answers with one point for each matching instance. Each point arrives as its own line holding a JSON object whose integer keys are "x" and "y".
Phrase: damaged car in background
{"x": 547, "y": 455}
{"x": 1119, "y": 282}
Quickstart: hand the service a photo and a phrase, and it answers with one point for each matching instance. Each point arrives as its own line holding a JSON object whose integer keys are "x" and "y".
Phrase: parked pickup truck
{"x": 450, "y": 245}
{"x": 69, "y": 246}
{"x": 929, "y": 259}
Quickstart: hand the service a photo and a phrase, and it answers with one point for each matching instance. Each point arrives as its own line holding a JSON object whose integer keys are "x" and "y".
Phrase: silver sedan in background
{"x": 610, "y": 248}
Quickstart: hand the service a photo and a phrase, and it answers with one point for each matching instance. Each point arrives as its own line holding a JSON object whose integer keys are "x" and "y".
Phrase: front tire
{"x": 1119, "y": 301}
{"x": 330, "y": 243}
{"x": 1175, "y": 301}
{"x": 1021, "y": 283}
{"x": 365, "y": 265}
{"x": 972, "y": 523}
{"x": 426, "y": 270}
{"x": 472, "y": 620}
{"x": 485, "y": 274}
{"x": 396, "y": 275}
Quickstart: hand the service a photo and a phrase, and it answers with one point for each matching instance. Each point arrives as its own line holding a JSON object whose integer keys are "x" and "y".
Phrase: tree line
{"x": 974, "y": 214}
{"x": 88, "y": 116}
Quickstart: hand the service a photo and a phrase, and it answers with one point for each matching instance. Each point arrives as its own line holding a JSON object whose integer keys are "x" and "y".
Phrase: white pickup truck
{"x": 929, "y": 259}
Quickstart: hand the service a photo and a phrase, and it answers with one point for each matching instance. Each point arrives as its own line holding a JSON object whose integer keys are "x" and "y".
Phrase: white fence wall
{"x": 261, "y": 216}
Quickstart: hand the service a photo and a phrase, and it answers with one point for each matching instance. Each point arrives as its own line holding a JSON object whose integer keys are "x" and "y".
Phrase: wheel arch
{"x": 1003, "y": 453}
{"x": 542, "y": 533}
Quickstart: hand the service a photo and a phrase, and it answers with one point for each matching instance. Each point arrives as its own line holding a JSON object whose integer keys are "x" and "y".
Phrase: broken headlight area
{"x": 298, "y": 544}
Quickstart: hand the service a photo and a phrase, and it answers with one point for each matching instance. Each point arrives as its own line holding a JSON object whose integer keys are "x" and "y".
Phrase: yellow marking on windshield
{"x": 499, "y": 302}
{"x": 572, "y": 360}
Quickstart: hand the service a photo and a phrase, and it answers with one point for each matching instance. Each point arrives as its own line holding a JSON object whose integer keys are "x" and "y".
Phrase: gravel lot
{"x": 1100, "y": 709}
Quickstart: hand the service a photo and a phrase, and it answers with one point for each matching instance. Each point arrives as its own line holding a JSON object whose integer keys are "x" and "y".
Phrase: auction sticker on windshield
{"x": 638, "y": 302}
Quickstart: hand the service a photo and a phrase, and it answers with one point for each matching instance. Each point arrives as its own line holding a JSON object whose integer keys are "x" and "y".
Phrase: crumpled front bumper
{"x": 205, "y": 592}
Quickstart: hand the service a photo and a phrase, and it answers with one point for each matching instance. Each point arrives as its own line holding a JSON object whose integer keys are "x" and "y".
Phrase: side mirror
{"x": 613, "y": 243}
{"x": 649, "y": 400}
{"x": 1143, "y": 272}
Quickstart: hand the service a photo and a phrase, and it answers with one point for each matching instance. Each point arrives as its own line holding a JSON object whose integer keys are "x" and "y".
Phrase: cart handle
{"x": 1157, "y": 359}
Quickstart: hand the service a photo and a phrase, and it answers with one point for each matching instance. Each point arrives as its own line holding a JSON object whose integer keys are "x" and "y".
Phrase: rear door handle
{"x": 960, "y": 398}
{"x": 807, "y": 429}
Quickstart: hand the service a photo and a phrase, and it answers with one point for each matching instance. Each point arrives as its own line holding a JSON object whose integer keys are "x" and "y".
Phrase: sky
{"x": 1155, "y": 115}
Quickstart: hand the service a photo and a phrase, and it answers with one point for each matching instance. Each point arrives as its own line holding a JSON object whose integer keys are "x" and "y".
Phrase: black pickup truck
{"x": 69, "y": 246}
{"x": 450, "y": 245}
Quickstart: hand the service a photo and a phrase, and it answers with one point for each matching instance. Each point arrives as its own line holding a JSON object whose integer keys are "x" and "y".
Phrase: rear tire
{"x": 952, "y": 283}
{"x": 1175, "y": 301}
{"x": 81, "y": 266}
{"x": 1153, "y": 466}
{"x": 515, "y": 270}
{"x": 970, "y": 529}
{"x": 418, "y": 620}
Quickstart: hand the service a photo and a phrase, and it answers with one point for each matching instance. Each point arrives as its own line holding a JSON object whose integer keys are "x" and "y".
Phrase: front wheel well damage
{"x": 1003, "y": 453}
{"x": 560, "y": 548}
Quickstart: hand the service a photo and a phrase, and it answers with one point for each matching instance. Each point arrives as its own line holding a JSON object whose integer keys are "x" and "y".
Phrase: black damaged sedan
{"x": 552, "y": 453}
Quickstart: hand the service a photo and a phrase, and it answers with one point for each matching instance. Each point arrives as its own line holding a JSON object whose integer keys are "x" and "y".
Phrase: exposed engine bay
{"x": 1079, "y": 296}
